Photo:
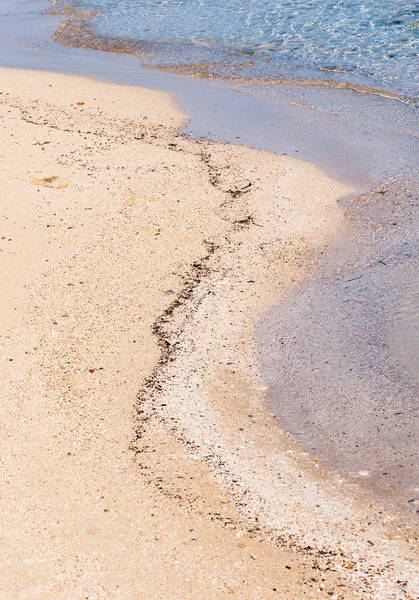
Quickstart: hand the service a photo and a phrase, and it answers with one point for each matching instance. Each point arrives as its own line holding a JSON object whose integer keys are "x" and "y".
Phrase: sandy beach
{"x": 138, "y": 457}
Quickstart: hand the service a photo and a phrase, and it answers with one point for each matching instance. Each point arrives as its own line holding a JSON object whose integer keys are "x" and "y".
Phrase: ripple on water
{"x": 378, "y": 39}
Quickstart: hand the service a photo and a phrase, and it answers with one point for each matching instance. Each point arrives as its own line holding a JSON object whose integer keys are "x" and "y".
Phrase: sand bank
{"x": 138, "y": 460}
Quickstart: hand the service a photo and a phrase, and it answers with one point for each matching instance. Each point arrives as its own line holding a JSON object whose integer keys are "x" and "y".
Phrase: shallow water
{"x": 378, "y": 39}
{"x": 340, "y": 356}
{"x": 404, "y": 340}
{"x": 362, "y": 132}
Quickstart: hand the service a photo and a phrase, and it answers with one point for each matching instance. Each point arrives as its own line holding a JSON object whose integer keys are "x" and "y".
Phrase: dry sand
{"x": 138, "y": 459}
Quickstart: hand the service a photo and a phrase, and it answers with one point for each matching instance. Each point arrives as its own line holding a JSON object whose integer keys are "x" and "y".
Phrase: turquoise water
{"x": 375, "y": 39}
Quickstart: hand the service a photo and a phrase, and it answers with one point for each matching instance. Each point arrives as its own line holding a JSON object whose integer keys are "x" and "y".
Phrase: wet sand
{"x": 340, "y": 356}
{"x": 138, "y": 458}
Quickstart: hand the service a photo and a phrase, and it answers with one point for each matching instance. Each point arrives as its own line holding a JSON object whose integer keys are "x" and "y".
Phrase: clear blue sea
{"x": 341, "y": 39}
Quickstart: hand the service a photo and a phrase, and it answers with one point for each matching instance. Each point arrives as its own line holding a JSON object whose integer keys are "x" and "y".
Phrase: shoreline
{"x": 354, "y": 404}
{"x": 74, "y": 359}
{"x": 74, "y": 31}
{"x": 353, "y": 144}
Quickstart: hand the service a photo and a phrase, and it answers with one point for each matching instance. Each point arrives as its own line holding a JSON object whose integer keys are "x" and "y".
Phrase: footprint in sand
{"x": 52, "y": 182}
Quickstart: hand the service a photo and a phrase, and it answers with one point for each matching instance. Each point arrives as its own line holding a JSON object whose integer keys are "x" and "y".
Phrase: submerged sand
{"x": 138, "y": 457}
{"x": 354, "y": 403}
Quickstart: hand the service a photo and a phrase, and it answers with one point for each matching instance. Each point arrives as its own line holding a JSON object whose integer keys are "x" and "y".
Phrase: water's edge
{"x": 341, "y": 130}
{"x": 94, "y": 25}
{"x": 353, "y": 142}
{"x": 340, "y": 356}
